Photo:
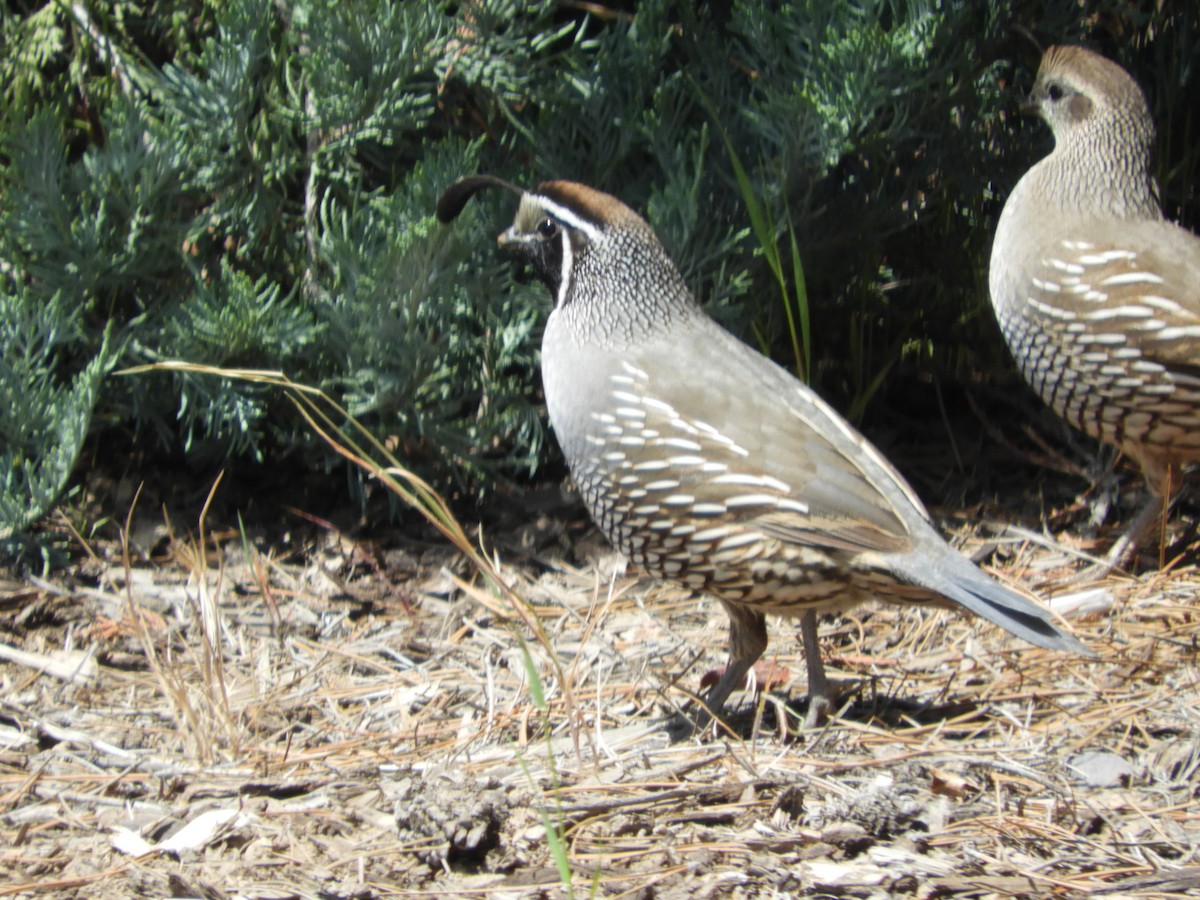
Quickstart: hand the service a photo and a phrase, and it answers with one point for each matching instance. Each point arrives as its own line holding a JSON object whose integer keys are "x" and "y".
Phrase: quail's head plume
{"x": 709, "y": 465}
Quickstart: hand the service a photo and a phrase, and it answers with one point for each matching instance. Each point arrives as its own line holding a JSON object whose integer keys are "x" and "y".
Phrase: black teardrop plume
{"x": 457, "y": 195}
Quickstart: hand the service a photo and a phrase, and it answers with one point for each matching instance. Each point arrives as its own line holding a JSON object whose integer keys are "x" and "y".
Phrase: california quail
{"x": 1097, "y": 294}
{"x": 706, "y": 463}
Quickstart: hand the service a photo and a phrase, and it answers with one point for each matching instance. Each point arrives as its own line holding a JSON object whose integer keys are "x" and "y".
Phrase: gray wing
{"x": 770, "y": 455}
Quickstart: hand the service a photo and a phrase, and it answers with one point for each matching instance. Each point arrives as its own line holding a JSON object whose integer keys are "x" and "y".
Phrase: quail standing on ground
{"x": 1097, "y": 294}
{"x": 708, "y": 464}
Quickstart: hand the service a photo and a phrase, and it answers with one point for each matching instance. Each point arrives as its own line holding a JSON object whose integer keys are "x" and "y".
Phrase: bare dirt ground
{"x": 308, "y": 714}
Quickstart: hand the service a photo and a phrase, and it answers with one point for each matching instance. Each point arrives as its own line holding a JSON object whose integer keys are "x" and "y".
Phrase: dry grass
{"x": 321, "y": 720}
{"x": 227, "y": 715}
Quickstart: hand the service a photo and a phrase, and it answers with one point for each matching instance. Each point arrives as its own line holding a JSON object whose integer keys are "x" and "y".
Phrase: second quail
{"x": 708, "y": 464}
{"x": 1098, "y": 295}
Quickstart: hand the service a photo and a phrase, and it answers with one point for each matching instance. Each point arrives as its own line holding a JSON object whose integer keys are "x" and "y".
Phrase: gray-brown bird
{"x": 708, "y": 464}
{"x": 1097, "y": 294}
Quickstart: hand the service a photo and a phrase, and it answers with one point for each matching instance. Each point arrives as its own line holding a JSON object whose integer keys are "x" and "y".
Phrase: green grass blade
{"x": 800, "y": 290}
{"x": 762, "y": 223}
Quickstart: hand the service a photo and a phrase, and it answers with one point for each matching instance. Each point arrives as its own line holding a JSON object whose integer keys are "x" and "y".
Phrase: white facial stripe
{"x": 565, "y": 215}
{"x": 568, "y": 260}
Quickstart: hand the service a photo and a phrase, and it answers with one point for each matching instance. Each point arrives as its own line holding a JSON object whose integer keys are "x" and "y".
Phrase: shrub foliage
{"x": 251, "y": 184}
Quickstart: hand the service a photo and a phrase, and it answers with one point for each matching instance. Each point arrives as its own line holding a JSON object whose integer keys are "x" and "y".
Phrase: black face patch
{"x": 553, "y": 239}
{"x": 545, "y": 255}
{"x": 553, "y": 255}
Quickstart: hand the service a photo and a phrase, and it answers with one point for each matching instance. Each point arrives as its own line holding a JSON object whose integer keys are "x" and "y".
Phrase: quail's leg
{"x": 820, "y": 696}
{"x": 747, "y": 641}
{"x": 1138, "y": 531}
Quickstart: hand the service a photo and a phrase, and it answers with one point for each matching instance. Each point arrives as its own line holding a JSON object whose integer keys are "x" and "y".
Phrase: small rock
{"x": 1103, "y": 768}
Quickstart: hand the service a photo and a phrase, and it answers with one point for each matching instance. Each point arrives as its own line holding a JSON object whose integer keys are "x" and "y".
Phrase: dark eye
{"x": 547, "y": 228}
{"x": 1055, "y": 92}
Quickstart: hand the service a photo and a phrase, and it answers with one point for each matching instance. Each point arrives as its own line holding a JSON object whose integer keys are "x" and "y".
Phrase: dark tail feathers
{"x": 959, "y": 580}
